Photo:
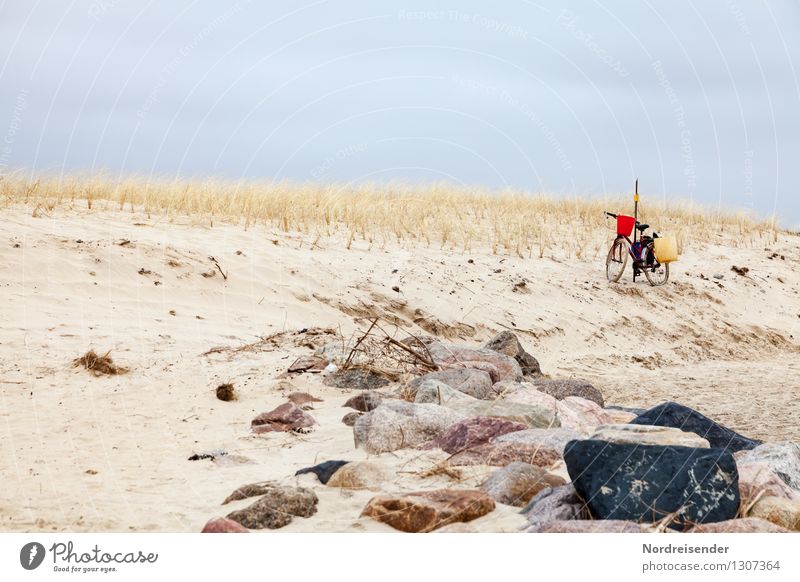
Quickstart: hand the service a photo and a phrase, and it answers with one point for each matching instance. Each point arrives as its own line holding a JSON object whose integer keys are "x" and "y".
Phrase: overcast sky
{"x": 700, "y": 100}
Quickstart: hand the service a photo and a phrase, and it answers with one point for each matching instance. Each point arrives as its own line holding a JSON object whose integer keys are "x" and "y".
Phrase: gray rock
{"x": 276, "y": 508}
{"x": 476, "y": 383}
{"x": 530, "y": 414}
{"x": 350, "y": 418}
{"x": 783, "y": 458}
{"x": 396, "y": 424}
{"x": 433, "y": 391}
{"x": 554, "y": 438}
{"x": 643, "y": 434}
{"x": 555, "y": 504}
{"x": 516, "y": 483}
{"x": 366, "y": 401}
{"x": 756, "y": 478}
{"x": 500, "y": 367}
{"x": 581, "y": 414}
{"x": 507, "y": 343}
{"x": 561, "y": 389}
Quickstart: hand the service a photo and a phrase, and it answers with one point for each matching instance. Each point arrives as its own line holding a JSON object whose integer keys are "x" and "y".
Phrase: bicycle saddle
{"x": 642, "y": 227}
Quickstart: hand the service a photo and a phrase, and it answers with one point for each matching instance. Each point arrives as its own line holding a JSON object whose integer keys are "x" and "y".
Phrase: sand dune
{"x": 110, "y": 453}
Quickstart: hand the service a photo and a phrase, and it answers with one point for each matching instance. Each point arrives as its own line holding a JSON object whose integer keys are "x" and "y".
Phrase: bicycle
{"x": 642, "y": 252}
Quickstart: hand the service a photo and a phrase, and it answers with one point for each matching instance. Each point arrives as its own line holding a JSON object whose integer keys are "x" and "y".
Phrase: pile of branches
{"x": 379, "y": 349}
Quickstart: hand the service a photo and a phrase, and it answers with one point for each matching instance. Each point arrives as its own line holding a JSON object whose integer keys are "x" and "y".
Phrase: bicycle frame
{"x": 631, "y": 247}
{"x": 632, "y": 252}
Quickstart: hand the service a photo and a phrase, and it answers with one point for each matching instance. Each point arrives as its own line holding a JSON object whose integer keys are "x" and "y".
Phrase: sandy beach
{"x": 86, "y": 453}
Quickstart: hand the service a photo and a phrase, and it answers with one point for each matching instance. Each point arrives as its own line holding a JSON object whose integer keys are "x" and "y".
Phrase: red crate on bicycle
{"x": 625, "y": 225}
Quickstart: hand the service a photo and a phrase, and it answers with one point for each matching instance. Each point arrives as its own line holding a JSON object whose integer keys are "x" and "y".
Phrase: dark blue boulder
{"x": 679, "y": 416}
{"x": 648, "y": 483}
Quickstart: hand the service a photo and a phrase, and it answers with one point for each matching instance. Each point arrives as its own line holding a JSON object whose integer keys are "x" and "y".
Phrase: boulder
{"x": 323, "y": 471}
{"x": 362, "y": 475}
{"x": 499, "y": 366}
{"x": 742, "y": 525}
{"x": 647, "y": 483}
{"x": 472, "y": 432}
{"x": 251, "y": 490}
{"x": 275, "y": 509}
{"x": 303, "y": 399}
{"x": 682, "y": 417}
{"x": 287, "y": 417}
{"x": 778, "y": 510}
{"x": 783, "y": 458}
{"x": 555, "y": 504}
{"x": 757, "y": 478}
{"x": 517, "y": 482}
{"x": 435, "y": 392}
{"x": 366, "y": 401}
{"x": 308, "y": 363}
{"x": 501, "y": 454}
{"x": 589, "y": 526}
{"x": 426, "y": 511}
{"x": 551, "y": 438}
{"x": 337, "y": 353}
{"x": 572, "y": 412}
{"x": 356, "y": 379}
{"x": 642, "y": 434}
{"x": 476, "y": 383}
{"x": 507, "y": 343}
{"x": 350, "y": 418}
{"x": 524, "y": 393}
{"x": 581, "y": 414}
{"x": 561, "y": 389}
{"x": 223, "y": 525}
{"x": 396, "y": 424}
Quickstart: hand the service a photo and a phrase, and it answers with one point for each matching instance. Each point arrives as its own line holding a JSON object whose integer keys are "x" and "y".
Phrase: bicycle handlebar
{"x": 612, "y": 215}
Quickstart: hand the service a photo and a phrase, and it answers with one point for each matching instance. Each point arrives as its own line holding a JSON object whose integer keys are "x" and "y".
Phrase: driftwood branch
{"x": 358, "y": 343}
{"x": 221, "y": 272}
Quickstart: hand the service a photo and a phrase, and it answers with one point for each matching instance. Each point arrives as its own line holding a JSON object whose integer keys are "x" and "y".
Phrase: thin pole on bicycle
{"x": 635, "y": 220}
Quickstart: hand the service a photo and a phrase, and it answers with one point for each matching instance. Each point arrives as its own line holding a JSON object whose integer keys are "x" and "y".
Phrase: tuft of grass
{"x": 99, "y": 365}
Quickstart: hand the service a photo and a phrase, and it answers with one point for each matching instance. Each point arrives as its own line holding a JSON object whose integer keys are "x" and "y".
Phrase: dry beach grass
{"x": 138, "y": 268}
{"x": 439, "y": 215}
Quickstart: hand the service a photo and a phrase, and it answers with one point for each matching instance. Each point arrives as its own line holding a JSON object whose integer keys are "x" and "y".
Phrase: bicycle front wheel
{"x": 616, "y": 260}
{"x": 656, "y": 273}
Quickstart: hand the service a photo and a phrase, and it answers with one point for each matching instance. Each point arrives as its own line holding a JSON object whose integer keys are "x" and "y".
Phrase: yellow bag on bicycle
{"x": 666, "y": 248}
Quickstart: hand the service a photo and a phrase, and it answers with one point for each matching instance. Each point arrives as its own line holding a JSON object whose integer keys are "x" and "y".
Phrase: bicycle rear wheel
{"x": 656, "y": 273}
{"x": 617, "y": 260}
